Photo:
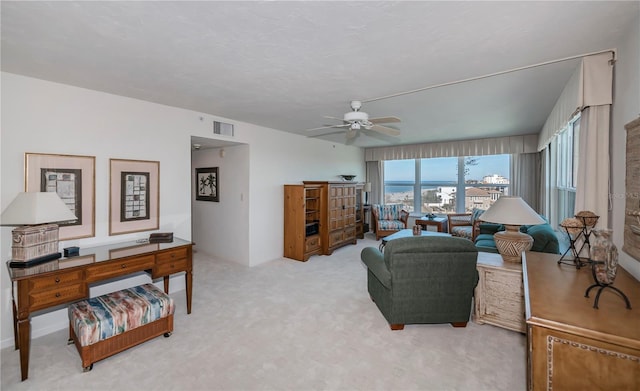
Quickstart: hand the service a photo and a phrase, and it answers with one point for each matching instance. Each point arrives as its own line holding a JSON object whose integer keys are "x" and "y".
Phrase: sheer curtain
{"x": 592, "y": 189}
{"x": 525, "y": 178}
{"x": 589, "y": 91}
{"x": 375, "y": 175}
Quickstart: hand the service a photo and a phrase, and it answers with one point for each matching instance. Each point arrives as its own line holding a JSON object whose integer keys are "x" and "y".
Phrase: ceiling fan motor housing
{"x": 356, "y": 116}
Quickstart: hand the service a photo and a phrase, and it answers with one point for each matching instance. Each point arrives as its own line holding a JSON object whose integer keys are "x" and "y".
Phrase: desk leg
{"x": 24, "y": 332}
{"x": 16, "y": 340}
{"x": 189, "y": 285}
{"x": 166, "y": 284}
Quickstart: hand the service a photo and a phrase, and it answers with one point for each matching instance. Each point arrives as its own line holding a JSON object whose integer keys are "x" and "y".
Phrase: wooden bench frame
{"x": 108, "y": 347}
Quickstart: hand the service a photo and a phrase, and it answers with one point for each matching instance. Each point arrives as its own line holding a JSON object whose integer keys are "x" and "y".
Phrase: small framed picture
{"x": 134, "y": 197}
{"x": 207, "y": 184}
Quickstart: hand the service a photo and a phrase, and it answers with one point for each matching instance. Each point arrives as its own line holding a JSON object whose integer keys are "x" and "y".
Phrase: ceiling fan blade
{"x": 326, "y": 127}
{"x": 325, "y": 134}
{"x": 386, "y": 130}
{"x": 384, "y": 120}
{"x": 336, "y": 118}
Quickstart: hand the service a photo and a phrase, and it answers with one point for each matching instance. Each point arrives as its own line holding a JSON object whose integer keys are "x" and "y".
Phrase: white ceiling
{"x": 285, "y": 65}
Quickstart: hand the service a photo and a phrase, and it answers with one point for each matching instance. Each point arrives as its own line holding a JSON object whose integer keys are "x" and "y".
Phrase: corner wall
{"x": 626, "y": 107}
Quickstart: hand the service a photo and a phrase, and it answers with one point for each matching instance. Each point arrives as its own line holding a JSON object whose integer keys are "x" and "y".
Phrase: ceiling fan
{"x": 354, "y": 121}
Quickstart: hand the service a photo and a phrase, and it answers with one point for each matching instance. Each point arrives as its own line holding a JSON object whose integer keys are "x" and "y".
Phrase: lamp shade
{"x": 511, "y": 210}
{"x": 33, "y": 208}
{"x": 367, "y": 187}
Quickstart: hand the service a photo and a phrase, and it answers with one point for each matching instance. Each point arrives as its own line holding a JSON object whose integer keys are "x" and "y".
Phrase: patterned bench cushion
{"x": 108, "y": 315}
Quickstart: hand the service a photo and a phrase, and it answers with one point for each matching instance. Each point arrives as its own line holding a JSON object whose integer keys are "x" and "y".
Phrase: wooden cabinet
{"x": 303, "y": 212}
{"x": 359, "y": 212}
{"x": 499, "y": 297}
{"x": 318, "y": 218}
{"x": 570, "y": 344}
{"x": 342, "y": 215}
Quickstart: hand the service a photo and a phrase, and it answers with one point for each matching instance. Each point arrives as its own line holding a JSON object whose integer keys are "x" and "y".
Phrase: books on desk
{"x": 161, "y": 237}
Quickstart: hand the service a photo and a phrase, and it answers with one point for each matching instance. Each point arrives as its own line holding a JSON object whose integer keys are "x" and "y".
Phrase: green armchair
{"x": 422, "y": 279}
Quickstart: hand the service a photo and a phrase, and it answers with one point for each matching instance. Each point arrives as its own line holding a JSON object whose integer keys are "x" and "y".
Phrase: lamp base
{"x": 511, "y": 243}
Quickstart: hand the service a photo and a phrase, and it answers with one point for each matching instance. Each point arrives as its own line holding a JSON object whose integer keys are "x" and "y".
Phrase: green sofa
{"x": 422, "y": 279}
{"x": 544, "y": 237}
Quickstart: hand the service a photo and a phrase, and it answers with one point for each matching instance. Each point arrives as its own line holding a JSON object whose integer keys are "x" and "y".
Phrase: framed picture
{"x": 207, "y": 188}
{"x": 134, "y": 196}
{"x": 72, "y": 177}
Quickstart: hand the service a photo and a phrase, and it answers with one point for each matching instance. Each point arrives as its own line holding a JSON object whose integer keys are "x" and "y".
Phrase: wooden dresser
{"x": 571, "y": 345}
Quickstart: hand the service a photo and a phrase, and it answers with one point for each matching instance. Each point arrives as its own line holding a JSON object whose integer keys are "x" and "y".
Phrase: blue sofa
{"x": 544, "y": 237}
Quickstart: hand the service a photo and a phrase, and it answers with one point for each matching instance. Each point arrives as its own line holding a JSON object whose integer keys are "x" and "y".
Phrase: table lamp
{"x": 512, "y": 212}
{"x": 36, "y": 239}
{"x": 366, "y": 189}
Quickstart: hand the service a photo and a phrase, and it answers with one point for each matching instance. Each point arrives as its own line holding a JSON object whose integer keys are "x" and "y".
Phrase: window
{"x": 477, "y": 180}
{"x": 564, "y": 170}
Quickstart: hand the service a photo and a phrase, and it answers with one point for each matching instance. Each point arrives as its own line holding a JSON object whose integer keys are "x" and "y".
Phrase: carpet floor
{"x": 285, "y": 325}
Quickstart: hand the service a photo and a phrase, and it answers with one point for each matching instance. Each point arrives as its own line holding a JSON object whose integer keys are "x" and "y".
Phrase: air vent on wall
{"x": 222, "y": 128}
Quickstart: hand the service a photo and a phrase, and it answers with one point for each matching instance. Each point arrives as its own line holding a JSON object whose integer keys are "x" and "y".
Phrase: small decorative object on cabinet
{"x": 303, "y": 211}
{"x": 604, "y": 265}
{"x": 579, "y": 231}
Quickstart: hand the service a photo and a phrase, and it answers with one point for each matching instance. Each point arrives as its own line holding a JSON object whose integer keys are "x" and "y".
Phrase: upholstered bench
{"x": 105, "y": 325}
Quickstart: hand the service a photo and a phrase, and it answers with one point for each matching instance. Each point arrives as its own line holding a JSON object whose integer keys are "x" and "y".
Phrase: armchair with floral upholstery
{"x": 388, "y": 219}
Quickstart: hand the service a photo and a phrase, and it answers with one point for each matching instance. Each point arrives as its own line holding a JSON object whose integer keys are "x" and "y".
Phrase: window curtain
{"x": 375, "y": 175}
{"x": 592, "y": 191}
{"x": 588, "y": 91}
{"x": 543, "y": 184}
{"x": 525, "y": 178}
{"x": 479, "y": 147}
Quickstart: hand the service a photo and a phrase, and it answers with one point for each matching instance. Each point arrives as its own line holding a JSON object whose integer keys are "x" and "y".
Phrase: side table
{"x": 499, "y": 295}
{"x": 439, "y": 222}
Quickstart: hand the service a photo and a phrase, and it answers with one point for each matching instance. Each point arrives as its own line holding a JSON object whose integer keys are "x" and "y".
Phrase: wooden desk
{"x": 439, "y": 222}
{"x": 571, "y": 345}
{"x": 67, "y": 280}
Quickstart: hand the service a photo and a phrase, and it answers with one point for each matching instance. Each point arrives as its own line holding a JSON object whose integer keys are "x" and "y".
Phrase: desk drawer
{"x": 170, "y": 266}
{"x": 56, "y": 296}
{"x": 119, "y": 268}
{"x": 172, "y": 255}
{"x": 56, "y": 280}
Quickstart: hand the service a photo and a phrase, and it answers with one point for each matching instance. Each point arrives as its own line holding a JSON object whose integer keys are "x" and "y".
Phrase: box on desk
{"x": 32, "y": 242}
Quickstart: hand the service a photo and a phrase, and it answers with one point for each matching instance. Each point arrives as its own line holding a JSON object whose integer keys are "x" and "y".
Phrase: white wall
{"x": 44, "y": 117}
{"x": 221, "y": 229}
{"x": 246, "y": 226}
{"x": 626, "y": 107}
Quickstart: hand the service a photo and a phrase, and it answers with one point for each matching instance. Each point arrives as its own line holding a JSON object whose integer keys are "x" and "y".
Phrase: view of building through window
{"x": 477, "y": 180}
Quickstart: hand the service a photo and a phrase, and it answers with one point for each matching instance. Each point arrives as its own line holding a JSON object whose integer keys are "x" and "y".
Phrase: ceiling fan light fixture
{"x": 356, "y": 116}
